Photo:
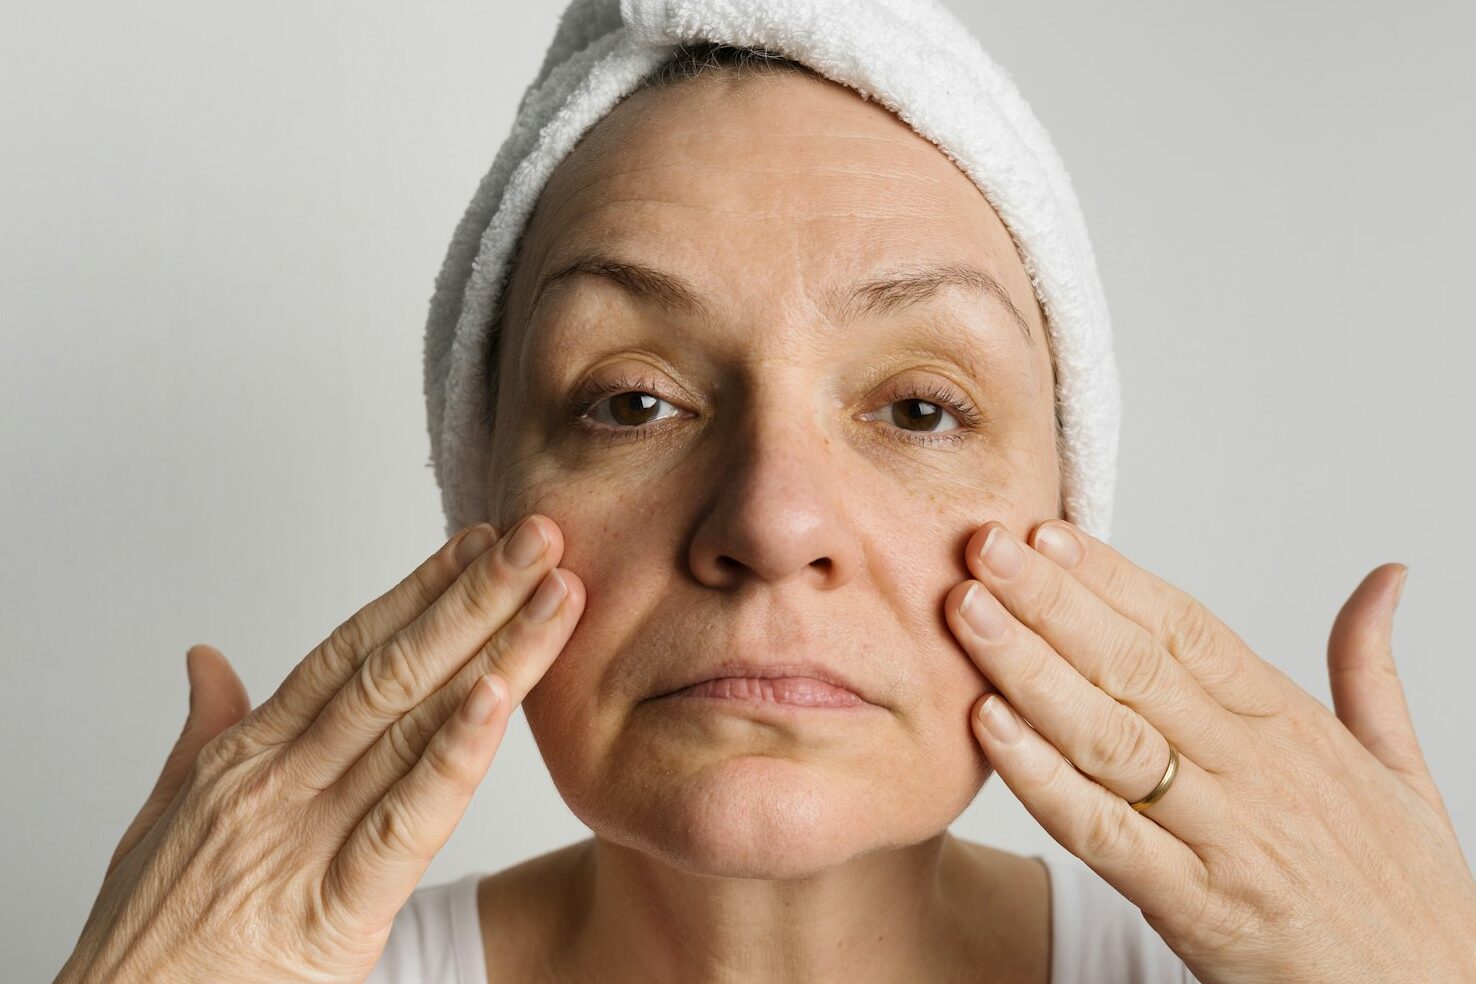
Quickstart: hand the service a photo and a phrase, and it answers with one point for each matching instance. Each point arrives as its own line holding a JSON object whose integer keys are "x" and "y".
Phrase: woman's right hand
{"x": 299, "y": 832}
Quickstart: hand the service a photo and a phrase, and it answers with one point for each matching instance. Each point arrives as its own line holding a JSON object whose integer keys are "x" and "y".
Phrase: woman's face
{"x": 792, "y": 472}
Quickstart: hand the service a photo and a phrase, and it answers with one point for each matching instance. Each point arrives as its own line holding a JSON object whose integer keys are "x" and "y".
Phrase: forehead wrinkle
{"x": 858, "y": 168}
{"x": 878, "y": 208}
{"x": 876, "y": 297}
{"x": 891, "y": 293}
{"x": 917, "y": 146}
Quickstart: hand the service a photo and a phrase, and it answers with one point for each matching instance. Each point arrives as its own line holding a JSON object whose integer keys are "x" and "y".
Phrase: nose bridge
{"x": 779, "y": 508}
{"x": 777, "y": 435}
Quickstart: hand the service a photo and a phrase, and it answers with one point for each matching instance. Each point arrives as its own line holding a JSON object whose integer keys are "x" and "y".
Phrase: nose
{"x": 779, "y": 511}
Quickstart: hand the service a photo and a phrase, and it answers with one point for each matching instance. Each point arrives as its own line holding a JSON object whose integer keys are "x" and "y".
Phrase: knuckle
{"x": 1104, "y": 832}
{"x": 445, "y": 766}
{"x": 407, "y": 739}
{"x": 1050, "y": 602}
{"x": 345, "y": 648}
{"x": 1120, "y": 582}
{"x": 387, "y": 681}
{"x": 1187, "y": 628}
{"x": 227, "y": 749}
{"x": 323, "y": 923}
{"x": 391, "y": 829}
{"x": 501, "y": 656}
{"x": 1123, "y": 743}
{"x": 423, "y": 583}
{"x": 239, "y": 799}
{"x": 1308, "y": 739}
{"x": 1033, "y": 676}
{"x": 1135, "y": 673}
{"x": 484, "y": 598}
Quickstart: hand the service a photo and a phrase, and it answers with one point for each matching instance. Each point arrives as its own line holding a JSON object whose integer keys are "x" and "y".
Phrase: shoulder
{"x": 435, "y": 937}
{"x": 1005, "y": 895}
{"x": 530, "y": 910}
{"x": 1098, "y": 935}
{"x": 451, "y": 932}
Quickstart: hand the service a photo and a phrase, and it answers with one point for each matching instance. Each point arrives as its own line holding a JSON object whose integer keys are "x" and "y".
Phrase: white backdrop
{"x": 220, "y": 226}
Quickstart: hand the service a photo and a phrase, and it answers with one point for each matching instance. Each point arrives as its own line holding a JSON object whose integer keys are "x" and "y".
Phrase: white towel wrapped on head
{"x": 912, "y": 56}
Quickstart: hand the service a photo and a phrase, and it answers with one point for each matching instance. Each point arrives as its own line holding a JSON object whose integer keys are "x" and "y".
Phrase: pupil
{"x": 639, "y": 402}
{"x": 901, "y": 419}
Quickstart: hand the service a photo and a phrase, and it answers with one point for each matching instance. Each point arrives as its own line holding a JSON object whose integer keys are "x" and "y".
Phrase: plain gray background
{"x": 220, "y": 227}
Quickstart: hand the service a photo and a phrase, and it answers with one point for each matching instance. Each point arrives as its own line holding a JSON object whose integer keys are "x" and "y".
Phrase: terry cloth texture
{"x": 912, "y": 56}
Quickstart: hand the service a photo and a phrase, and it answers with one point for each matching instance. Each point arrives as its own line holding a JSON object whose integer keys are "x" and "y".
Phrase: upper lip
{"x": 755, "y": 668}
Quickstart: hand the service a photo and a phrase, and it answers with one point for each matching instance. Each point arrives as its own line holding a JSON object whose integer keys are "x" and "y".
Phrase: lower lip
{"x": 792, "y": 691}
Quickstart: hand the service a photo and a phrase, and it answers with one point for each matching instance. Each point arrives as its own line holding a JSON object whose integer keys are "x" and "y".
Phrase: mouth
{"x": 794, "y": 691}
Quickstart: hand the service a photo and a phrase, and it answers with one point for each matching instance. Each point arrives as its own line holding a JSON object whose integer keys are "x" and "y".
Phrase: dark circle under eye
{"x": 633, "y": 408}
{"x": 906, "y": 418}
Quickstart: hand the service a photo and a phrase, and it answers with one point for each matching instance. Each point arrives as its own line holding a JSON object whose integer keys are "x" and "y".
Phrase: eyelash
{"x": 930, "y": 392}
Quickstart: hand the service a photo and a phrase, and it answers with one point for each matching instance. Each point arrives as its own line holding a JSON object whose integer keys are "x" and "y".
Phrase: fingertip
{"x": 998, "y": 720}
{"x": 498, "y": 687}
{"x": 486, "y": 695}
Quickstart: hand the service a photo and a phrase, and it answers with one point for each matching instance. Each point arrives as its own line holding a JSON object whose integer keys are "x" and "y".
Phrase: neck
{"x": 886, "y": 915}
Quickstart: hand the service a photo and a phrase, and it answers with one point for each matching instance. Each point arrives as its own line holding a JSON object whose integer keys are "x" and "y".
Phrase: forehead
{"x": 765, "y": 191}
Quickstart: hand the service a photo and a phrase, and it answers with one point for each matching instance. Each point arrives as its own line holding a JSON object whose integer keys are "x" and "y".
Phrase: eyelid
{"x": 600, "y": 401}
{"x": 941, "y": 393}
{"x": 587, "y": 396}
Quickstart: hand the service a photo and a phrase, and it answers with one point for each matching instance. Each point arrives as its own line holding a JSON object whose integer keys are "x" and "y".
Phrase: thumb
{"x": 1367, "y": 695}
{"x": 218, "y": 700}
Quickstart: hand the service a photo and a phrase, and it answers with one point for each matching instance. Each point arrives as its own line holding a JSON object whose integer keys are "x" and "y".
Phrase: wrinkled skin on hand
{"x": 279, "y": 847}
{"x": 1295, "y": 844}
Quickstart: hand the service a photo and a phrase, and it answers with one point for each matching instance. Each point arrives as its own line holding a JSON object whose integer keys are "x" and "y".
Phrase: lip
{"x": 751, "y": 675}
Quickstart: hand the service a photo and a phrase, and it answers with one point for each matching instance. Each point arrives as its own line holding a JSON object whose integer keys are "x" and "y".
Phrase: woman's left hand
{"x": 1295, "y": 843}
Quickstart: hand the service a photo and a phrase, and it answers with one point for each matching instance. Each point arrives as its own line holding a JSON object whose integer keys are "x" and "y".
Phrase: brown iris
{"x": 903, "y": 418}
{"x": 632, "y": 408}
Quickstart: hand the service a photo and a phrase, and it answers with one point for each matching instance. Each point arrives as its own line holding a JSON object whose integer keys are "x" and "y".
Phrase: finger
{"x": 419, "y": 659}
{"x": 1139, "y": 858}
{"x": 1368, "y": 697}
{"x": 1109, "y": 652}
{"x": 1228, "y": 670}
{"x": 1107, "y": 741}
{"x": 218, "y": 700}
{"x": 380, "y": 865}
{"x": 520, "y": 653}
{"x": 302, "y": 696}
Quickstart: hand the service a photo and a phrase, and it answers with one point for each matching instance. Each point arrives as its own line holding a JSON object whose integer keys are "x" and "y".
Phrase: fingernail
{"x": 477, "y": 541}
{"x": 546, "y": 599}
{"x": 526, "y": 545}
{"x": 999, "y": 720}
{"x": 1057, "y": 543}
{"x": 983, "y": 612}
{"x": 1002, "y": 554}
{"x": 482, "y": 702}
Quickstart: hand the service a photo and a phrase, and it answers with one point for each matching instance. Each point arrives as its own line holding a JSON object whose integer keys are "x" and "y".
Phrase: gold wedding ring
{"x": 1163, "y": 784}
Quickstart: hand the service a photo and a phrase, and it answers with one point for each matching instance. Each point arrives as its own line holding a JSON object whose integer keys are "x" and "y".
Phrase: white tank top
{"x": 1097, "y": 935}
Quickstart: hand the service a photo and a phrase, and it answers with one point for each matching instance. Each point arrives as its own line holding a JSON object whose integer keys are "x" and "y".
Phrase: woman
{"x": 769, "y": 374}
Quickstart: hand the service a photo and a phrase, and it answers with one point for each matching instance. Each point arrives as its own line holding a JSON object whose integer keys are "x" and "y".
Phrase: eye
{"x": 918, "y": 411}
{"x": 631, "y": 408}
{"x": 619, "y": 408}
{"x": 919, "y": 415}
{"x": 625, "y": 408}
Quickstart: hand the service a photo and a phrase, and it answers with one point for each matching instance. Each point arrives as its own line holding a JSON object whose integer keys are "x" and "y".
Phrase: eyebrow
{"x": 882, "y": 295}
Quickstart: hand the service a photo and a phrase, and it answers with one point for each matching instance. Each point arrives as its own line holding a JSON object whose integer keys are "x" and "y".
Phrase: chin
{"x": 721, "y": 797}
{"x": 761, "y": 816}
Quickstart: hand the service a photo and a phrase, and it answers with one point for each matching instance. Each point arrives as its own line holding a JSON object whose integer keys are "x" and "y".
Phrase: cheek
{"x": 620, "y": 773}
{"x": 566, "y": 706}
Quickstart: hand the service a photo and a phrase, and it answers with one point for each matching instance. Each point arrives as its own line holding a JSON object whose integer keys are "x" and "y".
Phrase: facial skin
{"x": 780, "y": 504}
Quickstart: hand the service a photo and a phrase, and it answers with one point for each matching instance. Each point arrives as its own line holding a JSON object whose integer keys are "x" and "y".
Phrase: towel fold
{"x": 912, "y": 56}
